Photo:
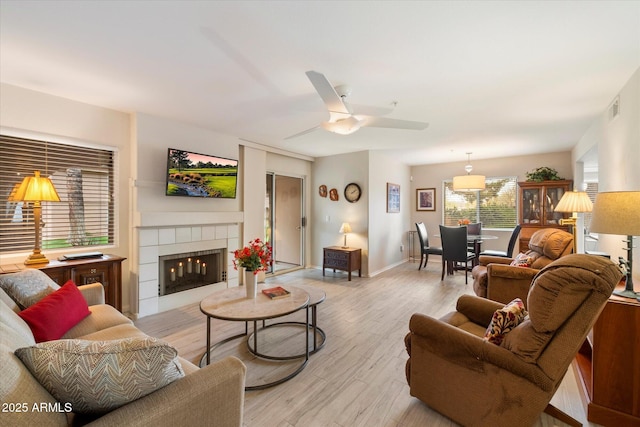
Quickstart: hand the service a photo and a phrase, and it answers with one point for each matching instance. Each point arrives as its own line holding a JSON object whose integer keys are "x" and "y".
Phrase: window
{"x": 84, "y": 180}
{"x": 495, "y": 206}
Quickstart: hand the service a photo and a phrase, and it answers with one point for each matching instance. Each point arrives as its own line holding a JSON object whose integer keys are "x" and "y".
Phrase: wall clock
{"x": 352, "y": 192}
{"x": 333, "y": 194}
{"x": 322, "y": 190}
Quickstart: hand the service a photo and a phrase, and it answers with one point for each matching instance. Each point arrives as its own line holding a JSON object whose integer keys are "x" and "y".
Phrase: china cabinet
{"x": 537, "y": 201}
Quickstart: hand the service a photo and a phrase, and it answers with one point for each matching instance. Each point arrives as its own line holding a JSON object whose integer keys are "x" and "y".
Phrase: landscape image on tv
{"x": 200, "y": 175}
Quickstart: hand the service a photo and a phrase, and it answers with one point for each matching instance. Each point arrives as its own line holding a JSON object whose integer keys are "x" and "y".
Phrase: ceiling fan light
{"x": 343, "y": 126}
{"x": 469, "y": 183}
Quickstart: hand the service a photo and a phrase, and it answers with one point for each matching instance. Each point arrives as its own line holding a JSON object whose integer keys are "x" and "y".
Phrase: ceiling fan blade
{"x": 304, "y": 132}
{"x": 385, "y": 122}
{"x": 331, "y": 99}
{"x": 368, "y": 110}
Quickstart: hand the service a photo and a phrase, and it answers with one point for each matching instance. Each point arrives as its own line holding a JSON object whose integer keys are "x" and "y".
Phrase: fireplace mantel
{"x": 170, "y": 219}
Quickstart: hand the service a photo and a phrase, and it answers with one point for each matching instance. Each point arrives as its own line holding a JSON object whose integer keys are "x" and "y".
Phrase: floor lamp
{"x": 573, "y": 202}
{"x": 617, "y": 212}
{"x": 36, "y": 189}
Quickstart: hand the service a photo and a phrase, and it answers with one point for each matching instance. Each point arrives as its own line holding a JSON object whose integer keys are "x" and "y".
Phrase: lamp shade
{"x": 616, "y": 212}
{"x": 345, "y": 228}
{"x": 468, "y": 183}
{"x": 35, "y": 189}
{"x": 574, "y": 201}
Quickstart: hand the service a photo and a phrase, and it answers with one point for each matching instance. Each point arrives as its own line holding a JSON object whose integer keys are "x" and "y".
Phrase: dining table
{"x": 476, "y": 240}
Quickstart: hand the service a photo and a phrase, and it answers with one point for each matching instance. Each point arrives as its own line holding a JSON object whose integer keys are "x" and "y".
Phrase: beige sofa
{"x": 213, "y": 395}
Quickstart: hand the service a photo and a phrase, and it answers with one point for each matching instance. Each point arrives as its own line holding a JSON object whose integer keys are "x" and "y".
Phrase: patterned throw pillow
{"x": 522, "y": 260}
{"x": 504, "y": 320}
{"x": 99, "y": 376}
{"x": 27, "y": 287}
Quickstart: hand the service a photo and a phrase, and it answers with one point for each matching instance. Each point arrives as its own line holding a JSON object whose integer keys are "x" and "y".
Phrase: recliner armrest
{"x": 489, "y": 259}
{"x": 478, "y": 310}
{"x": 511, "y": 272}
{"x": 506, "y": 282}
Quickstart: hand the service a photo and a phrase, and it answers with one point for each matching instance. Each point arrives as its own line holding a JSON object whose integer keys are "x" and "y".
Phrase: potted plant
{"x": 543, "y": 173}
{"x": 253, "y": 258}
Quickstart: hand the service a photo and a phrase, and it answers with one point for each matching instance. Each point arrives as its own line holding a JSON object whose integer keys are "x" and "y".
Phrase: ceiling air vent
{"x": 614, "y": 108}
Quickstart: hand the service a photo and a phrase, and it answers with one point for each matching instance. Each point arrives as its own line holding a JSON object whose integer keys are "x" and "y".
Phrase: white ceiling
{"x": 492, "y": 78}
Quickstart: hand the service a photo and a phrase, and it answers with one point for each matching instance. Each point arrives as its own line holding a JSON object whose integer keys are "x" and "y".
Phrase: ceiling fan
{"x": 342, "y": 118}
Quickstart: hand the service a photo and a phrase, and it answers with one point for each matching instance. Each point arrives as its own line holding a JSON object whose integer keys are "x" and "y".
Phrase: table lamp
{"x": 573, "y": 202}
{"x": 617, "y": 212}
{"x": 35, "y": 189}
{"x": 346, "y": 229}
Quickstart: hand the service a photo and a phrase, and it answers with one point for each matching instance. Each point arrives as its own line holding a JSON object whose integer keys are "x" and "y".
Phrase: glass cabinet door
{"x": 552, "y": 197}
{"x": 531, "y": 205}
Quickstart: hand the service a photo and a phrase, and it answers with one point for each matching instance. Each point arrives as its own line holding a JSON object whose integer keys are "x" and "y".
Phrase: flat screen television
{"x": 200, "y": 175}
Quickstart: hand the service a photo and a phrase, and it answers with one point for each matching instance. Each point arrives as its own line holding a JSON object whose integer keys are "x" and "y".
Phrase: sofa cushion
{"x": 56, "y": 313}
{"x": 99, "y": 376}
{"x": 102, "y": 317}
{"x": 504, "y": 320}
{"x": 28, "y": 286}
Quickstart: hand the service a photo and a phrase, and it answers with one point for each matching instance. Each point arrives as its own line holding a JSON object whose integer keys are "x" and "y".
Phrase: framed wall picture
{"x": 426, "y": 199}
{"x": 393, "y": 198}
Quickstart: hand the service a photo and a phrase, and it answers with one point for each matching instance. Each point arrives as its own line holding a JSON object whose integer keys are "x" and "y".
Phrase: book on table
{"x": 276, "y": 293}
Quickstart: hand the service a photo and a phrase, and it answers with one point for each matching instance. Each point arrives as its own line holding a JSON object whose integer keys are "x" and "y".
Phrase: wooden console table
{"x": 106, "y": 270}
{"x": 345, "y": 259}
{"x": 607, "y": 365}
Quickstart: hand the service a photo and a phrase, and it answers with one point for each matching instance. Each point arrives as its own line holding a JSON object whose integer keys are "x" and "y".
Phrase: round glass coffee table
{"x": 233, "y": 305}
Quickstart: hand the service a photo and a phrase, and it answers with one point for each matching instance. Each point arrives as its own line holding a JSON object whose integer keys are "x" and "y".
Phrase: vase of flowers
{"x": 464, "y": 222}
{"x": 253, "y": 258}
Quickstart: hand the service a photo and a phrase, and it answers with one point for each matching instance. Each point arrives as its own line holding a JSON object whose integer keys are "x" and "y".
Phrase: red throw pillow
{"x": 52, "y": 316}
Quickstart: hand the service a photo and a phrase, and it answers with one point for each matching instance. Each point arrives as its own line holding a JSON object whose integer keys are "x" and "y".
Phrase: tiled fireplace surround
{"x": 157, "y": 236}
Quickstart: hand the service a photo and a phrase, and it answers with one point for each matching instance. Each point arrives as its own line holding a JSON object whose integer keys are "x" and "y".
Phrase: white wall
{"x": 33, "y": 114}
{"x": 432, "y": 176}
{"x": 327, "y": 216}
{"x": 152, "y": 138}
{"x": 618, "y": 144}
{"x": 387, "y": 231}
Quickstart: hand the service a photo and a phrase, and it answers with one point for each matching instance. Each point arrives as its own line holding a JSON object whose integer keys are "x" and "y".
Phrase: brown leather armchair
{"x": 474, "y": 382}
{"x": 494, "y": 278}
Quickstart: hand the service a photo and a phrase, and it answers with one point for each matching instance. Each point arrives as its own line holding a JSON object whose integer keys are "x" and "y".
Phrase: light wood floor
{"x": 358, "y": 378}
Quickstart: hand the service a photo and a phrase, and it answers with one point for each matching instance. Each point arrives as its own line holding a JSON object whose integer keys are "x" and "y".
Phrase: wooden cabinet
{"x": 537, "y": 201}
{"x": 345, "y": 259}
{"x": 607, "y": 365}
{"x": 106, "y": 270}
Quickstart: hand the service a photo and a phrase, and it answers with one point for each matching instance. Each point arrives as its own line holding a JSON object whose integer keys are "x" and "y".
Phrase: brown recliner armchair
{"x": 474, "y": 382}
{"x": 494, "y": 278}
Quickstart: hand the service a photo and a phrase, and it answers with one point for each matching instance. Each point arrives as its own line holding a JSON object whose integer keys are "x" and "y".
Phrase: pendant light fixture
{"x": 468, "y": 182}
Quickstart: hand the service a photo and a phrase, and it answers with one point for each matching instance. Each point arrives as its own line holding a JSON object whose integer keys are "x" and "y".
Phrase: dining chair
{"x": 425, "y": 248}
{"x": 474, "y": 229}
{"x": 512, "y": 244}
{"x": 455, "y": 250}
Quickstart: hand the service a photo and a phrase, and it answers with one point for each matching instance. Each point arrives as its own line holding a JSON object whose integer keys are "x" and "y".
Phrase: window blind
{"x": 495, "y": 206}
{"x": 84, "y": 180}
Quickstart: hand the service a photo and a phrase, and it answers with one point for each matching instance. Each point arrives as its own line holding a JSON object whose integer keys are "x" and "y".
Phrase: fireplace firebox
{"x": 181, "y": 272}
